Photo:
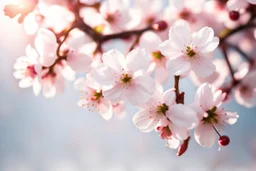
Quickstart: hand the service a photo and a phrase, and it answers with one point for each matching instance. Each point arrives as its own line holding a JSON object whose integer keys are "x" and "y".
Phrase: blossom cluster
{"x": 156, "y": 44}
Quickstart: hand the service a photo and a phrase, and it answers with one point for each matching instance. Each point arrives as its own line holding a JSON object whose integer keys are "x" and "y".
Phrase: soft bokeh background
{"x": 55, "y": 135}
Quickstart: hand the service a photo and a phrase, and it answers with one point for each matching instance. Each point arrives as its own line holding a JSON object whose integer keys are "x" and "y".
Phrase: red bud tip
{"x": 183, "y": 147}
{"x": 234, "y": 15}
{"x": 224, "y": 140}
{"x": 160, "y": 26}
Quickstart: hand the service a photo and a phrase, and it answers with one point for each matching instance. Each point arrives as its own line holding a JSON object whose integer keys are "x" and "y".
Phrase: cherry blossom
{"x": 162, "y": 110}
{"x": 207, "y": 104}
{"x": 26, "y": 67}
{"x": 92, "y": 97}
{"x": 126, "y": 77}
{"x": 150, "y": 41}
{"x": 187, "y": 52}
{"x": 245, "y": 92}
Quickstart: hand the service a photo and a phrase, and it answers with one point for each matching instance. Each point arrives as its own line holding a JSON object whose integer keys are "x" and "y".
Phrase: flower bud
{"x": 234, "y": 15}
{"x": 160, "y": 25}
{"x": 224, "y": 140}
{"x": 183, "y": 147}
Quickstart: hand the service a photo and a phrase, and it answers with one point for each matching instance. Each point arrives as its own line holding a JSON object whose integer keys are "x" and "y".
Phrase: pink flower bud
{"x": 224, "y": 140}
{"x": 160, "y": 26}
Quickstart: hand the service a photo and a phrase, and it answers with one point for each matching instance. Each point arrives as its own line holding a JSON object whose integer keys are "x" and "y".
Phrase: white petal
{"x": 79, "y": 62}
{"x": 173, "y": 143}
{"x": 36, "y": 87}
{"x": 202, "y": 67}
{"x": 204, "y": 97}
{"x": 105, "y": 109}
{"x": 182, "y": 116}
{"x": 46, "y": 46}
{"x": 205, "y": 135}
{"x": 231, "y": 117}
{"x": 180, "y": 34}
{"x": 210, "y": 46}
{"x": 80, "y": 84}
{"x": 144, "y": 86}
{"x": 178, "y": 66}
{"x": 203, "y": 36}
{"x": 150, "y": 41}
{"x": 179, "y": 132}
{"x": 168, "y": 50}
{"x": 25, "y": 83}
{"x": 114, "y": 59}
{"x": 169, "y": 97}
{"x": 142, "y": 119}
{"x": 103, "y": 75}
{"x": 115, "y": 94}
{"x": 137, "y": 60}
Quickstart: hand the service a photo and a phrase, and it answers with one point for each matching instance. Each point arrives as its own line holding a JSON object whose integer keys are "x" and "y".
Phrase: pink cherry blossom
{"x": 126, "y": 77}
{"x": 207, "y": 104}
{"x": 150, "y": 41}
{"x": 46, "y": 46}
{"x": 26, "y": 67}
{"x": 118, "y": 14}
{"x": 245, "y": 92}
{"x": 188, "y": 52}
{"x": 93, "y": 98}
{"x": 162, "y": 110}
{"x": 217, "y": 78}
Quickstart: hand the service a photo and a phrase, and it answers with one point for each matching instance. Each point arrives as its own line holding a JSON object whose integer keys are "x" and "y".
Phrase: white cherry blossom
{"x": 126, "y": 77}
{"x": 207, "y": 104}
{"x": 92, "y": 97}
{"x": 187, "y": 51}
{"x": 162, "y": 110}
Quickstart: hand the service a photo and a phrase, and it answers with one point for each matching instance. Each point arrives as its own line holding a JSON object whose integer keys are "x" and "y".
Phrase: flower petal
{"x": 202, "y": 67}
{"x": 182, "y": 116}
{"x": 114, "y": 59}
{"x": 205, "y": 135}
{"x": 179, "y": 132}
{"x": 144, "y": 86}
{"x": 137, "y": 60}
{"x": 178, "y": 65}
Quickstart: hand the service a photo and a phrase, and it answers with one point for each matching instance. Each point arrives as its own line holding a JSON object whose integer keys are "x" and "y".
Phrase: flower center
{"x": 162, "y": 109}
{"x": 157, "y": 55}
{"x": 97, "y": 95}
{"x": 212, "y": 116}
{"x": 31, "y": 72}
{"x": 126, "y": 78}
{"x": 190, "y": 52}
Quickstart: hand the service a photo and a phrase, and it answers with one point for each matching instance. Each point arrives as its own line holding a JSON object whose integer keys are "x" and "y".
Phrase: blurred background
{"x": 56, "y": 135}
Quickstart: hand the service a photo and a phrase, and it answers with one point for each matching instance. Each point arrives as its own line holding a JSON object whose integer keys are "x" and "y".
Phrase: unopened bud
{"x": 224, "y": 140}
{"x": 160, "y": 25}
{"x": 183, "y": 147}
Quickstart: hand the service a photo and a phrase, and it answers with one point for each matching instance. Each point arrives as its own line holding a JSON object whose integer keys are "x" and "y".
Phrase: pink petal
{"x": 142, "y": 120}
{"x": 167, "y": 49}
{"x": 46, "y": 45}
{"x": 178, "y": 65}
{"x": 205, "y": 135}
{"x": 114, "y": 59}
{"x": 105, "y": 109}
{"x": 137, "y": 60}
{"x": 173, "y": 143}
{"x": 169, "y": 97}
{"x": 202, "y": 67}
{"x": 115, "y": 94}
{"x": 204, "y": 97}
{"x": 203, "y": 36}
{"x": 141, "y": 90}
{"x": 179, "y": 132}
{"x": 180, "y": 34}
{"x": 210, "y": 46}
{"x": 182, "y": 116}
